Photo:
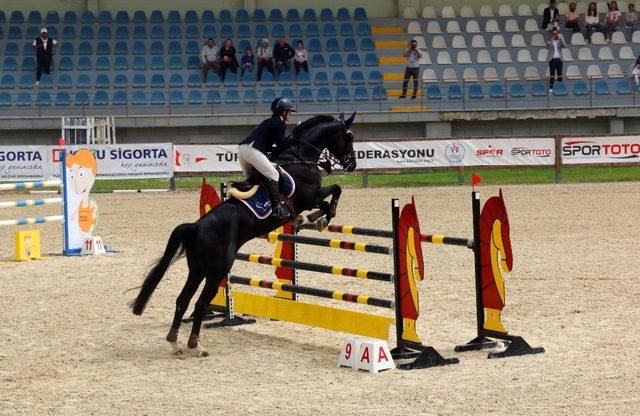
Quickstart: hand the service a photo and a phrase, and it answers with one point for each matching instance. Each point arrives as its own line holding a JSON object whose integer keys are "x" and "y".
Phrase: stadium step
{"x": 410, "y": 108}
{"x": 387, "y": 29}
{"x": 396, "y": 93}
{"x": 392, "y": 60}
{"x": 391, "y": 44}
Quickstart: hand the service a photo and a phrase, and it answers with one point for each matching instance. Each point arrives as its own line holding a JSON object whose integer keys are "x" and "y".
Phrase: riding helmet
{"x": 280, "y": 104}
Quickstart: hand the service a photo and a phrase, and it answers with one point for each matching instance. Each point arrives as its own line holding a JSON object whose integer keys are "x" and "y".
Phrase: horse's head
{"x": 342, "y": 145}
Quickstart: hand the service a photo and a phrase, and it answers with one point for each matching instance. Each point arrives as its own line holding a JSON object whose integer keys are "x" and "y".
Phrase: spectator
{"x": 282, "y": 53}
{"x": 247, "y": 61}
{"x": 555, "y": 45}
{"x": 210, "y": 56}
{"x": 572, "y": 18}
{"x": 591, "y": 20}
{"x": 300, "y": 58}
{"x": 631, "y": 18}
{"x": 413, "y": 55}
{"x": 265, "y": 58}
{"x": 228, "y": 61}
{"x": 611, "y": 21}
{"x": 636, "y": 72}
{"x": 44, "y": 47}
{"x": 550, "y": 15}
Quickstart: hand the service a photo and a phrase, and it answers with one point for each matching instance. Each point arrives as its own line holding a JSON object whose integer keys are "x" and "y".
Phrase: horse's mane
{"x": 312, "y": 122}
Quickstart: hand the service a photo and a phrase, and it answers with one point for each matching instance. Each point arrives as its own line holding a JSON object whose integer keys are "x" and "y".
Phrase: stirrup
{"x": 280, "y": 210}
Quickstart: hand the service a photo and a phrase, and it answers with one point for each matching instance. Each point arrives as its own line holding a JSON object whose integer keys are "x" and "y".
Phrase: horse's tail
{"x": 176, "y": 247}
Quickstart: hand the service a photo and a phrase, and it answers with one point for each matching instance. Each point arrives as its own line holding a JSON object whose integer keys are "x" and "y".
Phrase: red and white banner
{"x": 611, "y": 149}
{"x": 206, "y": 158}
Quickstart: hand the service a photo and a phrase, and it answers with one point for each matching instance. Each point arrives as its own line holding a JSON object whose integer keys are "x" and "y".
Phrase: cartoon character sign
{"x": 81, "y": 171}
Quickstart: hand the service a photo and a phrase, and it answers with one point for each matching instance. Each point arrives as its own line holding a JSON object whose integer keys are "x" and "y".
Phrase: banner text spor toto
{"x": 612, "y": 149}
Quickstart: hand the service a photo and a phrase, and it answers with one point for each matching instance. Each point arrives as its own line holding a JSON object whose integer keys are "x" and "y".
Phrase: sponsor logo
{"x": 490, "y": 151}
{"x": 586, "y": 149}
{"x": 531, "y": 151}
{"x": 186, "y": 159}
{"x": 455, "y": 152}
{"x": 396, "y": 154}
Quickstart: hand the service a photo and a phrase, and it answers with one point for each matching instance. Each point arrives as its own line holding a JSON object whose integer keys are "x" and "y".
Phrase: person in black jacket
{"x": 228, "y": 61}
{"x": 550, "y": 15}
{"x": 282, "y": 54}
{"x": 252, "y": 152}
{"x": 44, "y": 46}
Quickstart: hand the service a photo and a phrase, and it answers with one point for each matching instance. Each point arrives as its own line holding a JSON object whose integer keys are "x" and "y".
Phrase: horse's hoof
{"x": 176, "y": 348}
{"x": 297, "y": 222}
{"x": 198, "y": 352}
{"x": 321, "y": 224}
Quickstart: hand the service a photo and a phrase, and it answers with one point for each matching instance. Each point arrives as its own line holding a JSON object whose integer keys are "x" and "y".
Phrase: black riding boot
{"x": 278, "y": 207}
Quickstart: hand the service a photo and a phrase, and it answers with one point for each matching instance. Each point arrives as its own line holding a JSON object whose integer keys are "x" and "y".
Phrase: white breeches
{"x": 251, "y": 158}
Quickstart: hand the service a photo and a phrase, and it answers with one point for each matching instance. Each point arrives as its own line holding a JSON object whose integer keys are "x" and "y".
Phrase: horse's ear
{"x": 341, "y": 118}
{"x": 348, "y": 121}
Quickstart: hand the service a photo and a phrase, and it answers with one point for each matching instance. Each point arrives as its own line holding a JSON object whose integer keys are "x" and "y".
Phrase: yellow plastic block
{"x": 387, "y": 29}
{"x": 391, "y": 44}
{"x": 27, "y": 245}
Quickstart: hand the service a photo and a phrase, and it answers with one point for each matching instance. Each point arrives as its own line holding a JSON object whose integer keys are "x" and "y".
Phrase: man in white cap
{"x": 44, "y": 46}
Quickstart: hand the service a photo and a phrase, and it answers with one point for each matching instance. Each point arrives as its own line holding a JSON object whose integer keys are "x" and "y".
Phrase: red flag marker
{"x": 475, "y": 179}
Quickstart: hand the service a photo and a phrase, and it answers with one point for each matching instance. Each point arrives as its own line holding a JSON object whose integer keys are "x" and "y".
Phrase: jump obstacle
{"x": 491, "y": 248}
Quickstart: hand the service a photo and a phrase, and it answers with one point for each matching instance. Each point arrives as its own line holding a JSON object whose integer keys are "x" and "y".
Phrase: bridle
{"x": 321, "y": 155}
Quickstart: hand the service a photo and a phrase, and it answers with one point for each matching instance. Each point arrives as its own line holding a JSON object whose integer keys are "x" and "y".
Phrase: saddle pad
{"x": 258, "y": 200}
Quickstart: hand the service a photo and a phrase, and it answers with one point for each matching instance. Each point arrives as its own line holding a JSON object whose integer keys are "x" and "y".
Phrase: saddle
{"x": 255, "y": 196}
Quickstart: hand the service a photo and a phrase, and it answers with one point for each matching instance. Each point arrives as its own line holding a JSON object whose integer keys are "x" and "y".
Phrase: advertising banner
{"x": 26, "y": 163}
{"x": 612, "y": 149}
{"x": 206, "y": 158}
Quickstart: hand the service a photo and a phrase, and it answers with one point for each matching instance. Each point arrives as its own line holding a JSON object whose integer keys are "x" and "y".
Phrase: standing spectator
{"x": 265, "y": 59}
{"x": 44, "y": 46}
{"x": 555, "y": 45}
{"x": 591, "y": 20}
{"x": 611, "y": 21}
{"x": 572, "y": 18}
{"x": 228, "y": 61}
{"x": 413, "y": 55}
{"x": 282, "y": 53}
{"x": 636, "y": 72}
{"x": 210, "y": 56}
{"x": 300, "y": 58}
{"x": 631, "y": 18}
{"x": 550, "y": 15}
{"x": 247, "y": 61}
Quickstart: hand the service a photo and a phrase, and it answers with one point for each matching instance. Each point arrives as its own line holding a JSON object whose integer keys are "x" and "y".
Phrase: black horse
{"x": 212, "y": 242}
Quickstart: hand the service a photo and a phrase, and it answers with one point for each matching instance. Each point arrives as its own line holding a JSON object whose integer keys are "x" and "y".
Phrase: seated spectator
{"x": 265, "y": 59}
{"x": 550, "y": 16}
{"x": 210, "y": 56}
{"x": 247, "y": 61}
{"x": 44, "y": 47}
{"x": 631, "y": 18}
{"x": 611, "y": 21}
{"x": 591, "y": 20}
{"x": 572, "y": 18}
{"x": 282, "y": 53}
{"x": 300, "y": 58}
{"x": 228, "y": 61}
{"x": 636, "y": 72}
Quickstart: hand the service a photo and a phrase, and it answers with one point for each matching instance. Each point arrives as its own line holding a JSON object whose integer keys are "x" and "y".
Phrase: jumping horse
{"x": 211, "y": 243}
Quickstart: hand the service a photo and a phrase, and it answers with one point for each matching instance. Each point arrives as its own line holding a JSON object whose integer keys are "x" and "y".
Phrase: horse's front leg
{"x": 326, "y": 211}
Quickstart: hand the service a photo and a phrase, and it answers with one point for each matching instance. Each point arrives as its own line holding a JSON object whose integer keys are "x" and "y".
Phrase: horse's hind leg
{"x": 182, "y": 303}
{"x": 202, "y": 306}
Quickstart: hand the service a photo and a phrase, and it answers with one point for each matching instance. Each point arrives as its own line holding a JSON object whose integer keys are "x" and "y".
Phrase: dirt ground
{"x": 70, "y": 346}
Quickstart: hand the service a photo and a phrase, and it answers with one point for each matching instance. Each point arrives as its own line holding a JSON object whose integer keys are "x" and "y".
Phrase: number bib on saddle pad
{"x": 257, "y": 198}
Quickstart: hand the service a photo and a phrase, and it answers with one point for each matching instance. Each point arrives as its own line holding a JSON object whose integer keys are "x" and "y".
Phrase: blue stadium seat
{"x": 335, "y": 60}
{"x": 101, "y": 98}
{"x": 329, "y": 29}
{"x": 46, "y": 83}
{"x": 248, "y": 79}
{"x": 268, "y": 95}
{"x": 11, "y": 49}
{"x": 259, "y": 15}
{"x": 139, "y": 32}
{"x": 120, "y": 81}
{"x": 105, "y": 17}
{"x": 275, "y": 15}
{"x": 68, "y": 32}
{"x": 44, "y": 99}
{"x": 357, "y": 78}
{"x": 231, "y": 96}
{"x": 53, "y": 32}
{"x": 174, "y": 48}
{"x": 261, "y": 31}
{"x": 309, "y": 15}
{"x": 250, "y": 97}
{"x": 454, "y": 92}
{"x": 3, "y": 17}
{"x": 7, "y": 81}
{"x": 324, "y": 94}
{"x": 52, "y": 17}
{"x": 359, "y": 14}
{"x": 157, "y": 63}
{"x": 139, "y": 16}
{"x": 295, "y": 31}
{"x": 139, "y": 48}
{"x": 102, "y": 81}
{"x": 82, "y": 98}
{"x": 244, "y": 31}
{"x": 121, "y": 63}
{"x": 83, "y": 81}
{"x": 321, "y": 78}
{"x": 496, "y": 90}
{"x": 559, "y": 89}
{"x": 193, "y": 62}
{"x": 65, "y": 64}
{"x": 231, "y": 80}
{"x": 338, "y": 78}
{"x": 157, "y": 97}
{"x": 156, "y": 17}
{"x": 122, "y": 32}
{"x": 371, "y": 59}
{"x": 349, "y": 45}
{"x": 433, "y": 92}
{"x": 305, "y": 95}
{"x": 70, "y": 17}
{"x": 122, "y": 16}
{"x": 139, "y": 98}
{"x": 33, "y": 32}
{"x": 175, "y": 62}
{"x": 176, "y": 98}
{"x": 194, "y": 97}
{"x": 85, "y": 48}
{"x": 475, "y": 92}
{"x": 173, "y": 16}
{"x": 34, "y": 17}
{"x": 326, "y": 14}
{"x": 343, "y": 14}
{"x": 208, "y": 17}
{"x": 303, "y": 78}
{"x": 213, "y": 80}
{"x": 104, "y": 32}
{"x": 174, "y": 32}
{"x": 24, "y": 99}
{"x": 267, "y": 78}
{"x": 353, "y": 59}
{"x": 225, "y": 16}
{"x": 157, "y": 32}
{"x": 364, "y": 29}
{"x": 278, "y": 31}
{"x": 312, "y": 30}
{"x": 176, "y": 80}
{"x": 346, "y": 29}
{"x": 157, "y": 48}
{"x": 103, "y": 48}
{"x": 623, "y": 87}
{"x": 375, "y": 78}
{"x": 194, "y": 80}
{"x": 5, "y": 99}
{"x": 242, "y": 16}
{"x": 243, "y": 45}
{"x": 317, "y": 61}
{"x": 213, "y": 97}
{"x": 16, "y": 17}
{"x": 139, "y": 80}
{"x": 580, "y": 88}
{"x": 64, "y": 81}
{"x": 285, "y": 78}
{"x": 190, "y": 16}
{"x": 14, "y": 32}
{"x": 293, "y": 15}
{"x": 209, "y": 31}
{"x": 226, "y": 31}
{"x": 192, "y": 32}
{"x": 601, "y": 87}
{"x": 367, "y": 44}
{"x": 360, "y": 94}
{"x": 120, "y": 48}
{"x": 139, "y": 63}
{"x": 538, "y": 90}
{"x": 332, "y": 45}
{"x": 516, "y": 91}
{"x": 87, "y": 17}
{"x": 63, "y": 99}
{"x": 10, "y": 64}
{"x": 28, "y": 63}
{"x": 119, "y": 98}
{"x": 314, "y": 45}
{"x": 84, "y": 63}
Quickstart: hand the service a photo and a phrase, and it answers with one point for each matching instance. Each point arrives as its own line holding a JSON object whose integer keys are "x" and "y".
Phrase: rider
{"x": 252, "y": 153}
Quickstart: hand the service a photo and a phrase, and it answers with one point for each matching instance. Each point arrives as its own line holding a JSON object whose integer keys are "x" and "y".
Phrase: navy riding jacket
{"x": 270, "y": 131}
